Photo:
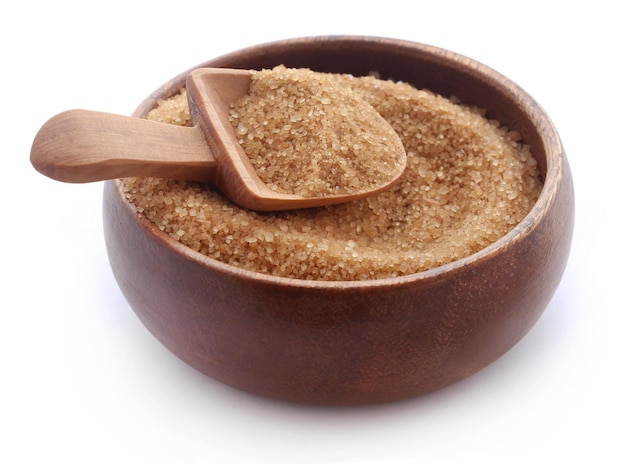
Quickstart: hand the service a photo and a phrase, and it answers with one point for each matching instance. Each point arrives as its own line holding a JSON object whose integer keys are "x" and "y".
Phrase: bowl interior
{"x": 424, "y": 66}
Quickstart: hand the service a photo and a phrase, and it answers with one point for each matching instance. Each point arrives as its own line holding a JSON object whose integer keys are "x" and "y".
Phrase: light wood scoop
{"x": 87, "y": 146}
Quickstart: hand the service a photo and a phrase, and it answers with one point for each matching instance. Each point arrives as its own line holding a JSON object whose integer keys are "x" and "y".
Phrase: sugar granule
{"x": 308, "y": 134}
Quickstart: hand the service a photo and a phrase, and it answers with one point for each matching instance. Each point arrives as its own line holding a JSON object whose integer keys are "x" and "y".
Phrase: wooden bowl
{"x": 347, "y": 343}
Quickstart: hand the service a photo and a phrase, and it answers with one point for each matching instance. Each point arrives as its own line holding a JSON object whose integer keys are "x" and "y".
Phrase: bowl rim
{"x": 546, "y": 130}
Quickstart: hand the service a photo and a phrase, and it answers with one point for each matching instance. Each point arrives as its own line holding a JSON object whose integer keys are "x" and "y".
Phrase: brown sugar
{"x": 287, "y": 126}
{"x": 467, "y": 183}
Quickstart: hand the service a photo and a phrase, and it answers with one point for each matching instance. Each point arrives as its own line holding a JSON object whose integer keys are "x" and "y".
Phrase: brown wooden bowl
{"x": 346, "y": 343}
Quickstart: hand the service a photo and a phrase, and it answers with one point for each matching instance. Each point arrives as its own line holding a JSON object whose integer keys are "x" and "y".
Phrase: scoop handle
{"x": 87, "y": 146}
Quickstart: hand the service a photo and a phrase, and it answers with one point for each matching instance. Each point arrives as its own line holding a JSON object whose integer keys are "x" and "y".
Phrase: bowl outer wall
{"x": 346, "y": 343}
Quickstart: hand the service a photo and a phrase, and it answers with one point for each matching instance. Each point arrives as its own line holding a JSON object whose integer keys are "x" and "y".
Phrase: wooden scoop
{"x": 86, "y": 146}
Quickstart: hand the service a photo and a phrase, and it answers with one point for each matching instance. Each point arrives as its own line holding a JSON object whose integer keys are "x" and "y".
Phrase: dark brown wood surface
{"x": 347, "y": 343}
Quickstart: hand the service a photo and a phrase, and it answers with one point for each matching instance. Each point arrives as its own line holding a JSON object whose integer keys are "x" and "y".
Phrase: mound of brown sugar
{"x": 287, "y": 126}
{"x": 467, "y": 183}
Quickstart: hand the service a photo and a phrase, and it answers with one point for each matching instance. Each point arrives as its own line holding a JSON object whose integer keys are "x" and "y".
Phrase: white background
{"x": 83, "y": 380}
